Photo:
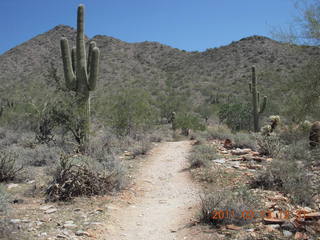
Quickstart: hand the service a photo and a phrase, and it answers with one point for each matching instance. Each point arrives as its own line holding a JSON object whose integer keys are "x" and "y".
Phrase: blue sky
{"x": 185, "y": 24}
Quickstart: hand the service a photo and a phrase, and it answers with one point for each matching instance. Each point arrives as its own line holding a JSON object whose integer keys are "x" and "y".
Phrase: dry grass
{"x": 8, "y": 166}
{"x": 289, "y": 173}
{"x": 201, "y": 155}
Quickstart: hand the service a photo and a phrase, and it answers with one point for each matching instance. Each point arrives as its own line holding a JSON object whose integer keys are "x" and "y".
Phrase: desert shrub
{"x": 8, "y": 137}
{"x": 237, "y": 116}
{"x": 172, "y": 100}
{"x": 131, "y": 111}
{"x": 4, "y": 200}
{"x": 269, "y": 145}
{"x": 315, "y": 156}
{"x": 8, "y": 166}
{"x": 187, "y": 121}
{"x": 201, "y": 155}
{"x": 245, "y": 140}
{"x": 6, "y": 229}
{"x": 161, "y": 133}
{"x": 83, "y": 176}
{"x": 293, "y": 133}
{"x": 206, "y": 110}
{"x": 38, "y": 155}
{"x": 287, "y": 177}
{"x": 218, "y": 131}
{"x": 59, "y": 113}
{"x": 298, "y": 151}
{"x": 288, "y": 173}
{"x": 234, "y": 205}
{"x": 156, "y": 137}
{"x": 140, "y": 147}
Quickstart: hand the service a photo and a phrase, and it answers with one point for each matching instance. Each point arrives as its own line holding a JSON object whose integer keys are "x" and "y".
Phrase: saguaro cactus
{"x": 256, "y": 108}
{"x": 81, "y": 76}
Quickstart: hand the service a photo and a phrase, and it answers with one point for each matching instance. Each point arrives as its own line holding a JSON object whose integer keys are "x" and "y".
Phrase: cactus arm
{"x": 263, "y": 107}
{"x": 91, "y": 47}
{"x": 250, "y": 87}
{"x": 253, "y": 69}
{"x": 81, "y": 51}
{"x": 258, "y": 101}
{"x": 94, "y": 68}
{"x": 74, "y": 59}
{"x": 69, "y": 75}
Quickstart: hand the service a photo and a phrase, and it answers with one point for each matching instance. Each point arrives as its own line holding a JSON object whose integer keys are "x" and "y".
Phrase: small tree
{"x": 187, "y": 121}
{"x": 237, "y": 116}
{"x": 305, "y": 27}
{"x": 131, "y": 111}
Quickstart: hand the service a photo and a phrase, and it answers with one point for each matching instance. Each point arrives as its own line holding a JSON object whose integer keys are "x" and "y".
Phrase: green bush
{"x": 302, "y": 101}
{"x": 172, "y": 100}
{"x": 218, "y": 131}
{"x": 131, "y": 111}
{"x": 187, "y": 121}
{"x": 236, "y": 115}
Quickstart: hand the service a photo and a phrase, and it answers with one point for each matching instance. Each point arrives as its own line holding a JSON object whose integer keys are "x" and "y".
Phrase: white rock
{"x": 69, "y": 225}
{"x": 12, "y": 185}
{"x": 82, "y": 233}
{"x": 69, "y": 222}
{"x": 51, "y": 210}
{"x": 222, "y": 160}
{"x": 287, "y": 233}
{"x": 46, "y": 207}
{"x": 15, "y": 221}
{"x": 275, "y": 226}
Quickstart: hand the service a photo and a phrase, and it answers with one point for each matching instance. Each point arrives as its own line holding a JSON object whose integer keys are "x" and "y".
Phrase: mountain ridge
{"x": 224, "y": 70}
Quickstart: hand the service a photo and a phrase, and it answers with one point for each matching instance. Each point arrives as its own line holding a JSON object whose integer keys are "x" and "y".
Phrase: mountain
{"x": 224, "y": 70}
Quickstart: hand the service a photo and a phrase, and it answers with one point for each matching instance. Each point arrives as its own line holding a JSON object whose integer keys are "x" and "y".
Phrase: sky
{"x": 192, "y": 25}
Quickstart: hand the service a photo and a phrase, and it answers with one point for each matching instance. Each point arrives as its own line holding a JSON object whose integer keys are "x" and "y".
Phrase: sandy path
{"x": 165, "y": 198}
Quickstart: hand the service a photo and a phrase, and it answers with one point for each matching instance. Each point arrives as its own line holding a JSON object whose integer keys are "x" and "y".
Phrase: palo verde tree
{"x": 81, "y": 76}
{"x": 305, "y": 26}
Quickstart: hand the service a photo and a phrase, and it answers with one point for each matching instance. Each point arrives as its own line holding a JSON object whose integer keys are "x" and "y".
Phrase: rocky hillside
{"x": 149, "y": 64}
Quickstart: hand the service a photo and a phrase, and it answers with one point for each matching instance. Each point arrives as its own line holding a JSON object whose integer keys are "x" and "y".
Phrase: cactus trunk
{"x": 81, "y": 76}
{"x": 256, "y": 108}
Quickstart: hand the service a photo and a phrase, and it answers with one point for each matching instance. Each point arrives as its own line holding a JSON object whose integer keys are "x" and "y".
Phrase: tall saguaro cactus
{"x": 81, "y": 76}
{"x": 256, "y": 108}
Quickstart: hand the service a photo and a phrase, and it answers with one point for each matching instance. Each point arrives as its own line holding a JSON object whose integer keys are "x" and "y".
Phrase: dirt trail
{"x": 165, "y": 198}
